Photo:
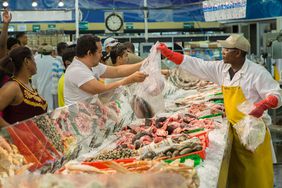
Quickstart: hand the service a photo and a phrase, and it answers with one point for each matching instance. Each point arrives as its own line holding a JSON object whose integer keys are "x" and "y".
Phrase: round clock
{"x": 114, "y": 22}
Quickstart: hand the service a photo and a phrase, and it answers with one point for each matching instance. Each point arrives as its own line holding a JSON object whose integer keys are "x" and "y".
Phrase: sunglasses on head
{"x": 113, "y": 41}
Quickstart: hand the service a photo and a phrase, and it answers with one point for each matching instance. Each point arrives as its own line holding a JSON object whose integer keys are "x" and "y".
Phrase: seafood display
{"x": 173, "y": 150}
{"x": 141, "y": 108}
{"x": 186, "y": 81}
{"x": 188, "y": 172}
{"x": 54, "y": 166}
{"x": 50, "y": 131}
{"x": 205, "y": 108}
{"x": 121, "y": 153}
{"x": 90, "y": 138}
{"x": 213, "y": 95}
{"x": 156, "y": 130}
{"x": 12, "y": 162}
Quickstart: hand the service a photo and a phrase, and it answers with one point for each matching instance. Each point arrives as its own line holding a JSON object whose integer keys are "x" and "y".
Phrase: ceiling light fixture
{"x": 61, "y": 3}
{"x": 5, "y": 4}
{"x": 34, "y": 3}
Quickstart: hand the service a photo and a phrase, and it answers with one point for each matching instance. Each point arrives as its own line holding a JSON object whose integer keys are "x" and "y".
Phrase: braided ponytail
{"x": 7, "y": 65}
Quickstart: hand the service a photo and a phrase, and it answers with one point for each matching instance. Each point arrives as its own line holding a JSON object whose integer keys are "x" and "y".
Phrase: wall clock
{"x": 114, "y": 22}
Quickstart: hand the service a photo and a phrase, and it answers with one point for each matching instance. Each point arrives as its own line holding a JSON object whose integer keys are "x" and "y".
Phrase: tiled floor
{"x": 278, "y": 175}
{"x": 276, "y": 134}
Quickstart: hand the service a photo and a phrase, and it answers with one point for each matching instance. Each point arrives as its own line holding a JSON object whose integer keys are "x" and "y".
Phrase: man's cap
{"x": 45, "y": 49}
{"x": 236, "y": 41}
{"x": 110, "y": 42}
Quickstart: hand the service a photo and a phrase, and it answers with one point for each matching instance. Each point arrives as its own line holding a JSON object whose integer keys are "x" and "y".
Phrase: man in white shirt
{"x": 82, "y": 76}
{"x": 47, "y": 76}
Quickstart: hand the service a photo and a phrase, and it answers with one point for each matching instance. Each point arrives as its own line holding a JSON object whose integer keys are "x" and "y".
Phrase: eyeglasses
{"x": 228, "y": 50}
{"x": 113, "y": 41}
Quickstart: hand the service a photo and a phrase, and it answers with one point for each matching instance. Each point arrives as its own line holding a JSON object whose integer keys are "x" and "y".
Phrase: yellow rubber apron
{"x": 246, "y": 169}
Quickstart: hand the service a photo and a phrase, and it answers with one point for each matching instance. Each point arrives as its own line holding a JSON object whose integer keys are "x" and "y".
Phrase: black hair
{"x": 61, "y": 46}
{"x": 117, "y": 51}
{"x": 86, "y": 43}
{"x": 68, "y": 55}
{"x": 130, "y": 46}
{"x": 72, "y": 46}
{"x": 11, "y": 41}
{"x": 19, "y": 35}
{"x": 12, "y": 63}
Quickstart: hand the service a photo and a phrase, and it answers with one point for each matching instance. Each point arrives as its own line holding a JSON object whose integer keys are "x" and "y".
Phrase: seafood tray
{"x": 102, "y": 164}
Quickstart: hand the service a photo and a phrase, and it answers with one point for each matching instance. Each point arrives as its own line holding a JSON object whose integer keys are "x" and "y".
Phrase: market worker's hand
{"x": 4, "y": 144}
{"x": 175, "y": 57}
{"x": 270, "y": 102}
{"x": 135, "y": 77}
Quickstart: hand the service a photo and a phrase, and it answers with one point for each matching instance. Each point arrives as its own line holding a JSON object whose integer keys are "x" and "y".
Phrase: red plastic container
{"x": 202, "y": 135}
{"x": 23, "y": 149}
{"x": 32, "y": 144}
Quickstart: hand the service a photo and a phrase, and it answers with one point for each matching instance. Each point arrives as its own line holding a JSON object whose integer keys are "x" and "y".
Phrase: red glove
{"x": 270, "y": 102}
{"x": 175, "y": 57}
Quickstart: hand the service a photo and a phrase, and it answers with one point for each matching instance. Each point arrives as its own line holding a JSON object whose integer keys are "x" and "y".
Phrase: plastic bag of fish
{"x": 251, "y": 130}
{"x": 147, "y": 99}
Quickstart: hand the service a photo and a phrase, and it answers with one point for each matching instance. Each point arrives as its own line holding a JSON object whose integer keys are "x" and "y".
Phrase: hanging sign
{"x": 51, "y": 26}
{"x": 215, "y": 10}
{"x": 35, "y": 28}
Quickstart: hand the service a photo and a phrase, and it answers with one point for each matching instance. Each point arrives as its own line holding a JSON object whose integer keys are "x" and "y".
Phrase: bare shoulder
{"x": 10, "y": 93}
{"x": 11, "y": 87}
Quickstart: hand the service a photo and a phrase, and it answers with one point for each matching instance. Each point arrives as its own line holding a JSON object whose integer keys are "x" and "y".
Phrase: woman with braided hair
{"x": 18, "y": 100}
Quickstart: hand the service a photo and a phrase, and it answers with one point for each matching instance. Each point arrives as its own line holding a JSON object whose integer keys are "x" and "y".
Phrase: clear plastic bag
{"x": 251, "y": 130}
{"x": 147, "y": 99}
{"x": 154, "y": 84}
{"x": 111, "y": 95}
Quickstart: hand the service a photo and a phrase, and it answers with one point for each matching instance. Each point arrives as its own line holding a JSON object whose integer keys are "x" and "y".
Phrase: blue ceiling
{"x": 159, "y": 10}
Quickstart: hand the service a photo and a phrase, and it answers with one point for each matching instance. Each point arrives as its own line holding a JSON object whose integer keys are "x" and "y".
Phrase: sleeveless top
{"x": 31, "y": 106}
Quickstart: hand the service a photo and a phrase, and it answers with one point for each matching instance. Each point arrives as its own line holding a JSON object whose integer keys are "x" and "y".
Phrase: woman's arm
{"x": 8, "y": 94}
{"x": 4, "y": 33}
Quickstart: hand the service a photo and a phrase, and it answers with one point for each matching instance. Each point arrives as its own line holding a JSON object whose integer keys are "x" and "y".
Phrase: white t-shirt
{"x": 76, "y": 75}
{"x": 43, "y": 80}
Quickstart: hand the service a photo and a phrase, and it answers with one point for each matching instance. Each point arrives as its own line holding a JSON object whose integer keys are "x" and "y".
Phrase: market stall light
{"x": 5, "y": 4}
{"x": 34, "y": 3}
{"x": 61, "y": 3}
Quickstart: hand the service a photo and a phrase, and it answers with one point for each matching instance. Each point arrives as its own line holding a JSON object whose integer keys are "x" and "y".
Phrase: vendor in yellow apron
{"x": 246, "y": 169}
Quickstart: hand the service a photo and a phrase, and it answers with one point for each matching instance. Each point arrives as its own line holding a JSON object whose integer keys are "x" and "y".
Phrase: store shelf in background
{"x": 50, "y": 37}
{"x": 276, "y": 116}
{"x": 207, "y": 50}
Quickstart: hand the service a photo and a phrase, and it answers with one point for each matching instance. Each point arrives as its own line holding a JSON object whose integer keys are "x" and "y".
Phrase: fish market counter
{"x": 75, "y": 139}
{"x": 213, "y": 172}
